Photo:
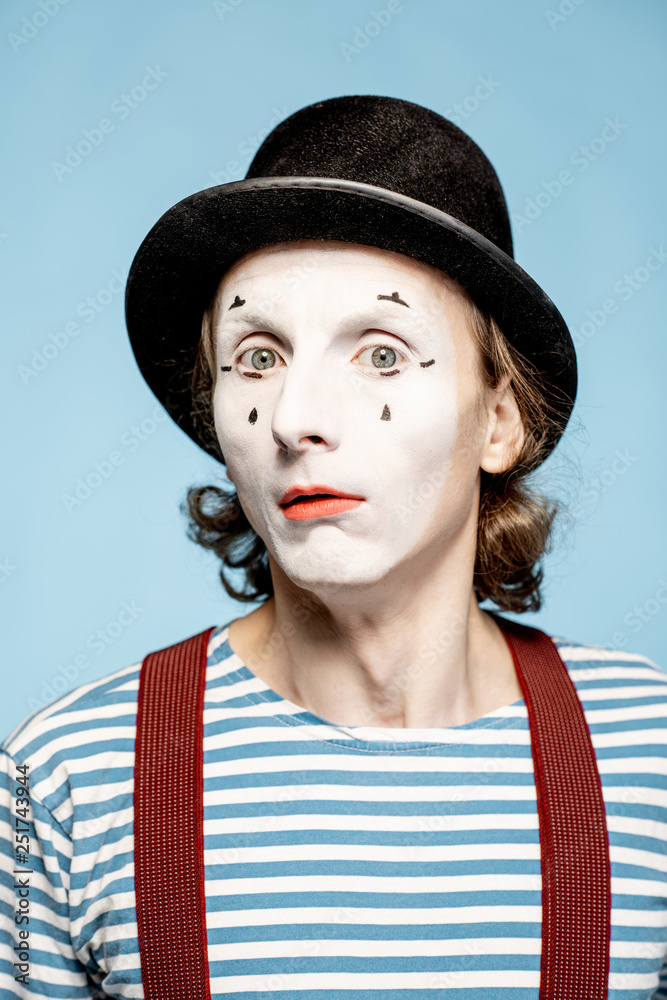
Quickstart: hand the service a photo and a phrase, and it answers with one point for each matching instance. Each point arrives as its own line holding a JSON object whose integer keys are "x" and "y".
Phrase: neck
{"x": 414, "y": 653}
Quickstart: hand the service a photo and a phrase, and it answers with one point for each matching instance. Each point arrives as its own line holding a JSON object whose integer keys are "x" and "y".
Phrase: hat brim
{"x": 179, "y": 265}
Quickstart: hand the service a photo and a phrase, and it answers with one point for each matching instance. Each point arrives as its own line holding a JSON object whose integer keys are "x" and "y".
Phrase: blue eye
{"x": 261, "y": 358}
{"x": 382, "y": 356}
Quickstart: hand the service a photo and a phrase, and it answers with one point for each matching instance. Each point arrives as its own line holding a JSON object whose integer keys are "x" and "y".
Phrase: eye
{"x": 381, "y": 356}
{"x": 260, "y": 358}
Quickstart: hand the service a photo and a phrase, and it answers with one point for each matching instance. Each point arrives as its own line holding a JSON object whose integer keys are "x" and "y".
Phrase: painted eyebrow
{"x": 394, "y": 297}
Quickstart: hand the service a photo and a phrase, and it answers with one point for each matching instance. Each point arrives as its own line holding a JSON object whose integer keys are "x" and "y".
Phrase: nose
{"x": 307, "y": 415}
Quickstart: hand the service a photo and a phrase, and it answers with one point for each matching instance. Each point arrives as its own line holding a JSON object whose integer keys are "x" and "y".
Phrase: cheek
{"x": 234, "y": 419}
{"x": 426, "y": 421}
{"x": 473, "y": 425}
{"x": 417, "y": 450}
{"x": 466, "y": 454}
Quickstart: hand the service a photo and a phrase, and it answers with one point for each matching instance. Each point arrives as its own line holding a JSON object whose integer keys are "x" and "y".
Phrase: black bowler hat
{"x": 372, "y": 170}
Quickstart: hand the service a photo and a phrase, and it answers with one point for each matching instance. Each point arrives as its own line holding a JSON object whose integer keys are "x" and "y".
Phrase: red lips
{"x": 300, "y": 503}
{"x": 311, "y": 491}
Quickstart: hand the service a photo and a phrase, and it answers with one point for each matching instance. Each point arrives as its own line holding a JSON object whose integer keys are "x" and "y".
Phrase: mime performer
{"x": 347, "y": 332}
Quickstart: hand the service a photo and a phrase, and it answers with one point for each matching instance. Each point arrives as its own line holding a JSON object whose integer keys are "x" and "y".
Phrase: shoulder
{"x": 78, "y": 737}
{"x": 88, "y": 734}
{"x": 587, "y": 662}
{"x": 617, "y": 687}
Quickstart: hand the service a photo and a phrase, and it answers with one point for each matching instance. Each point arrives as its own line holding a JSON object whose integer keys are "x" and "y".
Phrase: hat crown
{"x": 392, "y": 144}
{"x": 371, "y": 170}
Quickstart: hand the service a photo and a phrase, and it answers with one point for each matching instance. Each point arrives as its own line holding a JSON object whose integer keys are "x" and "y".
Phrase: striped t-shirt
{"x": 342, "y": 863}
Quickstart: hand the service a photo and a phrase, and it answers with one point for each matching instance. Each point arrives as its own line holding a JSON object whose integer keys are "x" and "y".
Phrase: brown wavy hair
{"x": 515, "y": 520}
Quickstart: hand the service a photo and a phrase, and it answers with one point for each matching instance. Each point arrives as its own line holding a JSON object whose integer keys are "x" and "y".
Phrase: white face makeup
{"x": 351, "y": 368}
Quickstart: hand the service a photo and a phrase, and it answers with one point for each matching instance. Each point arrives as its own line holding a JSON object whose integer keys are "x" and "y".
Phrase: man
{"x": 379, "y": 377}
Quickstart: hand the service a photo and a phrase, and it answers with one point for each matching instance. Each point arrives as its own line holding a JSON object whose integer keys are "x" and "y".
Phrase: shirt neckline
{"x": 296, "y": 716}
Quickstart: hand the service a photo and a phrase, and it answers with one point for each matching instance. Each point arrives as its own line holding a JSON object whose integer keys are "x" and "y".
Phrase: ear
{"x": 505, "y": 434}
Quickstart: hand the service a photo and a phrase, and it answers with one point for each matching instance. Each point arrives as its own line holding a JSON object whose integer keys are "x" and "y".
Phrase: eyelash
{"x": 368, "y": 347}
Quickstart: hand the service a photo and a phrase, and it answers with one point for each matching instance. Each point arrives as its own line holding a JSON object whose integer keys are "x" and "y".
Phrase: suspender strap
{"x": 576, "y": 875}
{"x": 168, "y": 823}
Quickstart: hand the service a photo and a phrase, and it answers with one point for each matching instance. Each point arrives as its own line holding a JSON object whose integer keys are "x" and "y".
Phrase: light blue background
{"x": 231, "y": 71}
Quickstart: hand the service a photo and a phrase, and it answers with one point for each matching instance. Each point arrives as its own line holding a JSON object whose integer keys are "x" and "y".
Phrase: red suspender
{"x": 576, "y": 873}
{"x": 168, "y": 823}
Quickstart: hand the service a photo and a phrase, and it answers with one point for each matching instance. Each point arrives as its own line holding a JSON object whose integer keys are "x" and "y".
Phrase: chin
{"x": 330, "y": 569}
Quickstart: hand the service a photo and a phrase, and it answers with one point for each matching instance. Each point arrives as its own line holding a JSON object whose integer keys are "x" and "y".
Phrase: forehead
{"x": 277, "y": 272}
{"x": 333, "y": 255}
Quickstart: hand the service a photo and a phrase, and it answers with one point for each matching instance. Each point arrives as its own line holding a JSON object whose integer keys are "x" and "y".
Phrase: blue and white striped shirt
{"x": 342, "y": 863}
